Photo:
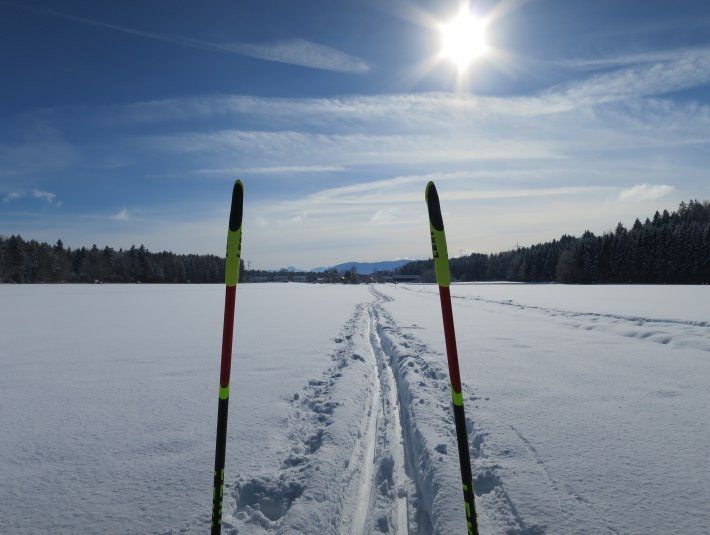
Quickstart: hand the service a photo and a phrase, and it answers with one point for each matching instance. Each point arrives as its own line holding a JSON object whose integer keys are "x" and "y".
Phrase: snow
{"x": 586, "y": 409}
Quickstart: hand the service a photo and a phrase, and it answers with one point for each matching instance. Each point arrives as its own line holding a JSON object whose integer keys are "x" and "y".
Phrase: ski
{"x": 443, "y": 279}
{"x": 231, "y": 277}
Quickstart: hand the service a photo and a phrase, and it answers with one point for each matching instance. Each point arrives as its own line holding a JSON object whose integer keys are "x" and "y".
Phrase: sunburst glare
{"x": 464, "y": 39}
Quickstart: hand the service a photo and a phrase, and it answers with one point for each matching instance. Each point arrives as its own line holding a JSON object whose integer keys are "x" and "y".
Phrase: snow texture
{"x": 586, "y": 409}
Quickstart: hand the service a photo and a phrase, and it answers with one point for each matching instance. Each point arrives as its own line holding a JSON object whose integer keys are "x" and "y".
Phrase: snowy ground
{"x": 586, "y": 406}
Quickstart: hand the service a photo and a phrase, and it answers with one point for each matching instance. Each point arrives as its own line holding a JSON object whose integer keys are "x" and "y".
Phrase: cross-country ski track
{"x": 367, "y": 453}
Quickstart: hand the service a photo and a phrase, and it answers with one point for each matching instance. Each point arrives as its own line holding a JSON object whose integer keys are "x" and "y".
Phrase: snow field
{"x": 586, "y": 409}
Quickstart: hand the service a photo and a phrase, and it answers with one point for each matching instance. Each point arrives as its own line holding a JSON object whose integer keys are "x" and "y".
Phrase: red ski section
{"x": 227, "y": 334}
{"x": 450, "y": 337}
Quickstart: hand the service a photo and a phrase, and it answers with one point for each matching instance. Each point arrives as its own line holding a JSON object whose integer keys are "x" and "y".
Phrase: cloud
{"x": 122, "y": 215}
{"x": 645, "y": 192}
{"x": 347, "y": 112}
{"x": 293, "y": 148}
{"x": 394, "y": 200}
{"x": 303, "y": 53}
{"x": 298, "y": 218}
{"x": 627, "y": 79}
{"x": 385, "y": 215}
{"x": 640, "y": 76}
{"x": 36, "y": 154}
{"x": 295, "y": 51}
{"x": 45, "y": 195}
{"x": 615, "y": 113}
{"x": 12, "y": 196}
{"x": 271, "y": 170}
{"x": 626, "y": 60}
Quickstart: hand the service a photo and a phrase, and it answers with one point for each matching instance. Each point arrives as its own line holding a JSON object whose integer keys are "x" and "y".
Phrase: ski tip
{"x": 432, "y": 202}
{"x": 235, "y": 213}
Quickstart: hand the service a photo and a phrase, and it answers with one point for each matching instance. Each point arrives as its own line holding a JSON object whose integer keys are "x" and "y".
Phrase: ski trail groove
{"x": 400, "y": 481}
{"x": 364, "y": 455}
{"x": 379, "y": 501}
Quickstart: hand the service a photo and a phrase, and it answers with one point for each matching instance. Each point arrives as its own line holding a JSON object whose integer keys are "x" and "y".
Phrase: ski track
{"x": 672, "y": 332}
{"x": 364, "y": 458}
{"x": 372, "y": 447}
{"x": 345, "y": 469}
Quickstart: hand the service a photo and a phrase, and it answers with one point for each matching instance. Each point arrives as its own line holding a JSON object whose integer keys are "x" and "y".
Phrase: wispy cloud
{"x": 44, "y": 195}
{"x": 626, "y": 78}
{"x": 295, "y": 51}
{"x": 290, "y": 148}
{"x": 344, "y": 112}
{"x": 296, "y": 219}
{"x": 641, "y": 76}
{"x": 271, "y": 170}
{"x": 645, "y": 192}
{"x": 378, "y": 202}
{"x": 36, "y": 154}
{"x": 12, "y": 196}
{"x": 121, "y": 215}
{"x": 385, "y": 215}
{"x": 303, "y": 53}
{"x": 626, "y": 60}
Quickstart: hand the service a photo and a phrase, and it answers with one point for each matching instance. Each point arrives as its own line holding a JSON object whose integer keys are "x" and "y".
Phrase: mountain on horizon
{"x": 365, "y": 268}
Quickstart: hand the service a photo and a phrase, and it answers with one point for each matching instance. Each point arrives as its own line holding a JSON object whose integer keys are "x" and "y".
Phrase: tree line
{"x": 670, "y": 248}
{"x": 30, "y": 261}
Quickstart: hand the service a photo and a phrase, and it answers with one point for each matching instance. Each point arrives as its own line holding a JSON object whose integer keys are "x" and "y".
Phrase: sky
{"x": 126, "y": 123}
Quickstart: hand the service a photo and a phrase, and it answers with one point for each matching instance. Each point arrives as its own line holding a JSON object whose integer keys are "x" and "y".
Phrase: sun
{"x": 463, "y": 39}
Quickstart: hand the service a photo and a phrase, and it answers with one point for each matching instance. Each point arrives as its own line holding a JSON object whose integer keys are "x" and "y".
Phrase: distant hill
{"x": 366, "y": 268}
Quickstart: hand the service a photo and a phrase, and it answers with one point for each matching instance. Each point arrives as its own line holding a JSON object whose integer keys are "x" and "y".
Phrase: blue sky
{"x": 126, "y": 122}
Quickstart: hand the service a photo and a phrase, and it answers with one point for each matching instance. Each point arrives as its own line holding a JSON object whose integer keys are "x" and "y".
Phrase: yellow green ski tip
{"x": 438, "y": 238}
{"x": 234, "y": 235}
